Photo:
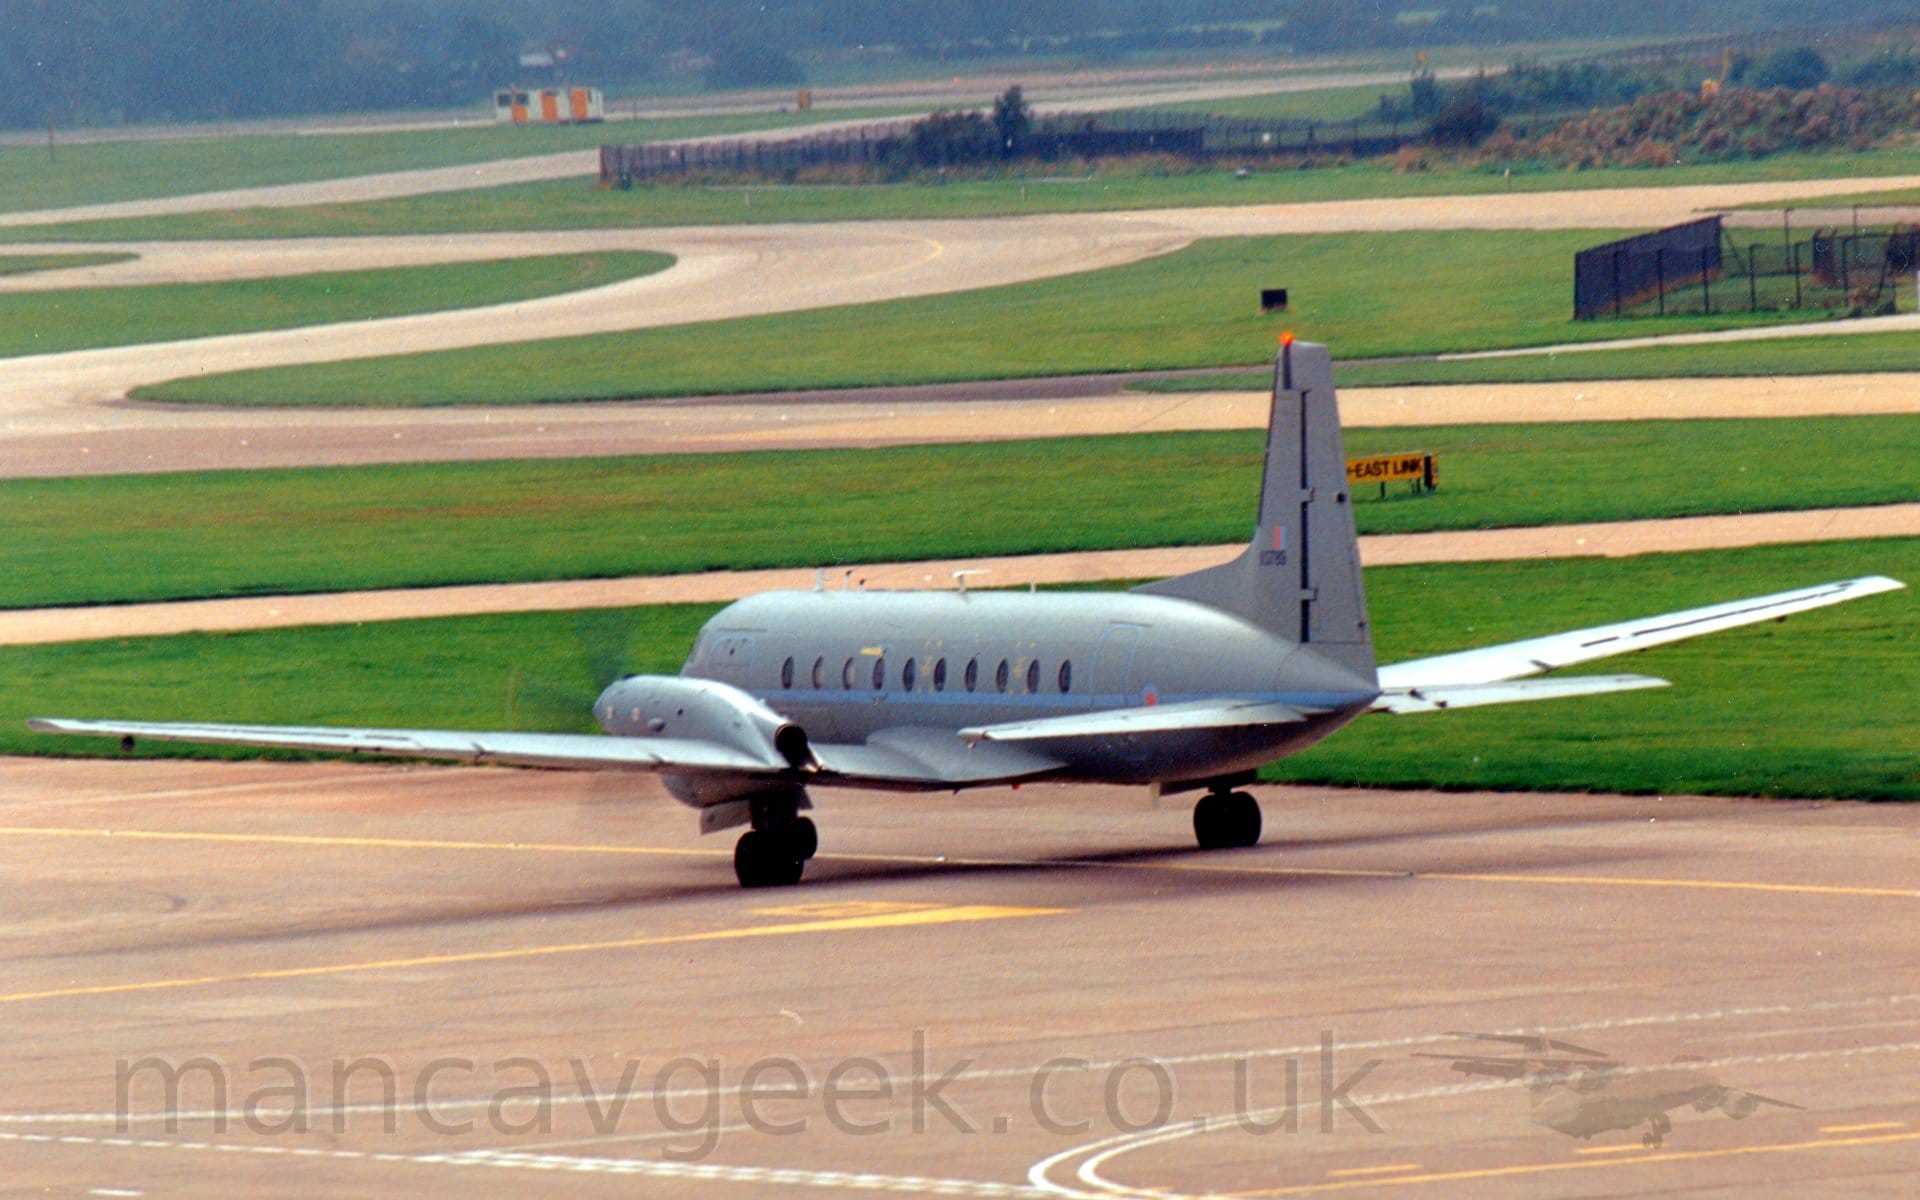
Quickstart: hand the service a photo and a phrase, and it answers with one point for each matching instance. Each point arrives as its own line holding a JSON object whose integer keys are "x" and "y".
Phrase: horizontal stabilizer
{"x": 1514, "y": 660}
{"x": 1512, "y": 691}
{"x": 1118, "y": 722}
{"x": 576, "y": 751}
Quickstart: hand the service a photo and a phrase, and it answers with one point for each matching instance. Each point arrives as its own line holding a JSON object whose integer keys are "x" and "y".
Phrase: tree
{"x": 1012, "y": 120}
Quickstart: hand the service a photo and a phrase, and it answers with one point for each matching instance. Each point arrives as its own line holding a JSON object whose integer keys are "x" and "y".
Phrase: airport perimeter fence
{"x": 1703, "y": 268}
{"x": 1063, "y": 136}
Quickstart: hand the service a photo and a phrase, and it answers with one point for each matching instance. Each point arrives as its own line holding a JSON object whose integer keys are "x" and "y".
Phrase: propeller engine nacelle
{"x": 1739, "y": 1106}
{"x": 706, "y": 710}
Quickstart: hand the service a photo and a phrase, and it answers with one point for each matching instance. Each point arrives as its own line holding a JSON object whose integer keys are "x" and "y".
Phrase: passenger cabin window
{"x": 1033, "y": 677}
{"x": 1066, "y": 677}
{"x": 846, "y": 676}
{"x": 1001, "y": 676}
{"x": 906, "y": 676}
{"x": 973, "y": 673}
{"x": 786, "y": 674}
{"x": 940, "y": 675}
{"x": 879, "y": 673}
{"x": 819, "y": 672}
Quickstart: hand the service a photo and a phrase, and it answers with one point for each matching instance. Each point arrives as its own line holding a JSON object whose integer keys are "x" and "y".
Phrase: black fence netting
{"x": 1701, "y": 267}
{"x": 1051, "y": 138}
{"x": 1609, "y": 280}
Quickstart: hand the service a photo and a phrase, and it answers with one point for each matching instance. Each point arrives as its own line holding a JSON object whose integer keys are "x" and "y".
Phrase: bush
{"x": 1797, "y": 68}
{"x": 1739, "y": 122}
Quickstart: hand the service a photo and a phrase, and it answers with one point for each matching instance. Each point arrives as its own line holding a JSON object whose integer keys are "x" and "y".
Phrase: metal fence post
{"x": 1706, "y": 284}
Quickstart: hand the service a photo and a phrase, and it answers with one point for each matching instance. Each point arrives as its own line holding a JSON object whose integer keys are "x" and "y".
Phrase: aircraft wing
{"x": 1462, "y": 679}
{"x": 564, "y": 750}
{"x": 895, "y": 758}
{"x": 1747, "y": 1102}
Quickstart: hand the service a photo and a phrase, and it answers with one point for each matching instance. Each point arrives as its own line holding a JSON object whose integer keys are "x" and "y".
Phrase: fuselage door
{"x": 1110, "y": 682}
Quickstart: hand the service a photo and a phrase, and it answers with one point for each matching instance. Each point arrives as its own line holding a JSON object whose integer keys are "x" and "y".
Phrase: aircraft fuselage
{"x": 845, "y": 665}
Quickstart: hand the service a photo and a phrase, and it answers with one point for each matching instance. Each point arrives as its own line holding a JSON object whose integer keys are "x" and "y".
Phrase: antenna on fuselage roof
{"x": 819, "y": 579}
{"x": 960, "y": 577}
{"x": 846, "y": 580}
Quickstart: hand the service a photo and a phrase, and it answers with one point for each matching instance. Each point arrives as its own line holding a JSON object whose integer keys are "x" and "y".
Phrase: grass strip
{"x": 148, "y": 167}
{"x": 576, "y": 204}
{"x": 27, "y": 264}
{"x": 155, "y": 537}
{"x": 1836, "y": 354}
{"x": 1367, "y": 295}
{"x": 1806, "y": 708}
{"x": 84, "y": 318}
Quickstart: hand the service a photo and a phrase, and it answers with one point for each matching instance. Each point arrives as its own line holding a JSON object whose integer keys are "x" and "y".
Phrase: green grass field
{"x": 1806, "y": 708}
{"x": 110, "y": 171}
{"x": 48, "y": 322}
{"x": 575, "y": 204}
{"x": 188, "y": 535}
{"x": 1363, "y": 294}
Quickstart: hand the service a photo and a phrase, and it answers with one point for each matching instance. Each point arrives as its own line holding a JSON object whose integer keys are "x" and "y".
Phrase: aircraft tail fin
{"x": 1300, "y": 576}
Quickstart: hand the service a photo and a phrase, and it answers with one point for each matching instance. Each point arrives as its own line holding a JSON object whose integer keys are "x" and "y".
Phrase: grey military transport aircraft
{"x": 1185, "y": 684}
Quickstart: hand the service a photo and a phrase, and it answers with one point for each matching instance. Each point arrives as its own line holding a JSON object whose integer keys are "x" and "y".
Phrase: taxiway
{"x": 423, "y": 980}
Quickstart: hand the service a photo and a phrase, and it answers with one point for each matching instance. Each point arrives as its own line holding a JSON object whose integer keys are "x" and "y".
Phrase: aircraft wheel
{"x": 762, "y": 860}
{"x": 803, "y": 838}
{"x": 1245, "y": 818}
{"x": 1650, "y": 1140}
{"x": 1209, "y": 823}
{"x": 1226, "y": 820}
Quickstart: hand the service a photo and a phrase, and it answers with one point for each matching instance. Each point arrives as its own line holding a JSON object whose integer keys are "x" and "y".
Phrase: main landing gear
{"x": 775, "y": 851}
{"x": 1226, "y": 820}
{"x": 1658, "y": 1127}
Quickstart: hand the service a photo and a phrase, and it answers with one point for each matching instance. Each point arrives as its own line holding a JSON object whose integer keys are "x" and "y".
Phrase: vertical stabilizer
{"x": 1300, "y": 577}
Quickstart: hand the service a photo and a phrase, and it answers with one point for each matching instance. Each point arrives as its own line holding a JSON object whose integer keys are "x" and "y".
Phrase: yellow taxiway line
{"x": 1230, "y": 868}
{"x": 875, "y": 920}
